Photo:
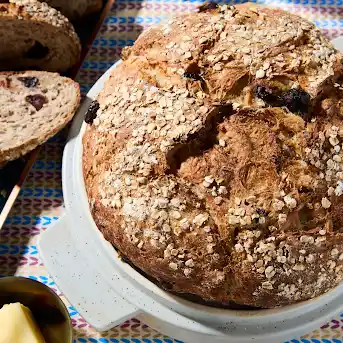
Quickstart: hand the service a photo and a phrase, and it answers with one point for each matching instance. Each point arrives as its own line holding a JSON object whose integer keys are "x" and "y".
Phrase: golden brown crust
{"x": 214, "y": 163}
{"x": 31, "y": 10}
{"x": 76, "y": 10}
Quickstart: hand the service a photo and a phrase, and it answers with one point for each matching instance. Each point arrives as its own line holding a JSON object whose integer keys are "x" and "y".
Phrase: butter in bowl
{"x": 18, "y": 325}
{"x": 31, "y": 312}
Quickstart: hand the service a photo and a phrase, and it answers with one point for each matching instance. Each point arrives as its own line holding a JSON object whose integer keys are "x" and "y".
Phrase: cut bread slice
{"x": 36, "y": 36}
{"x": 34, "y": 106}
{"x": 76, "y": 9}
{"x": 73, "y": 9}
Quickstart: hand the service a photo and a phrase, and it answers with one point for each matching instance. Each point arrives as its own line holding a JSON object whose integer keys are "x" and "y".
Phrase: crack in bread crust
{"x": 242, "y": 205}
{"x": 200, "y": 141}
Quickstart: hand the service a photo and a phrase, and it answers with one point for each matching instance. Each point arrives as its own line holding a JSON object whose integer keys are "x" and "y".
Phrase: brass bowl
{"x": 48, "y": 309}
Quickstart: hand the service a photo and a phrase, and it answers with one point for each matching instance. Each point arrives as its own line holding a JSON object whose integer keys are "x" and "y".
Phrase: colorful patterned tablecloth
{"x": 41, "y": 202}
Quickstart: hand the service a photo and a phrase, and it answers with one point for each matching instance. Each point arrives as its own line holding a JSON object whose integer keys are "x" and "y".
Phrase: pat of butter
{"x": 18, "y": 326}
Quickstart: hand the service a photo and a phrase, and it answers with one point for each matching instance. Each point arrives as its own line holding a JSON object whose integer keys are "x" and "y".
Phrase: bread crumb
{"x": 175, "y": 214}
{"x": 260, "y": 74}
{"x": 270, "y": 272}
{"x": 290, "y": 201}
{"x": 334, "y": 252}
{"x": 187, "y": 271}
{"x": 222, "y": 143}
{"x": 218, "y": 200}
{"x": 189, "y": 263}
{"x": 282, "y": 218}
{"x": 173, "y": 265}
{"x": 267, "y": 285}
{"x": 326, "y": 203}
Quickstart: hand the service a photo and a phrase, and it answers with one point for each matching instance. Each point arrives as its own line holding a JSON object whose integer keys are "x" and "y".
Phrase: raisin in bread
{"x": 34, "y": 106}
{"x": 36, "y": 36}
{"x": 214, "y": 161}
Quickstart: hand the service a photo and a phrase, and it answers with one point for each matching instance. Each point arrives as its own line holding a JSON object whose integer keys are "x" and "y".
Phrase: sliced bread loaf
{"x": 34, "y": 106}
{"x": 36, "y": 36}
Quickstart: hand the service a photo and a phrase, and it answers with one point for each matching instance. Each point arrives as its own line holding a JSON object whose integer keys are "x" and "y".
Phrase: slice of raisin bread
{"x": 76, "y": 9}
{"x": 34, "y": 106}
{"x": 36, "y": 36}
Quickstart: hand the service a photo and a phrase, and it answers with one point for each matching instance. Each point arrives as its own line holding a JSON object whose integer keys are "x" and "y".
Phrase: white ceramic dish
{"x": 107, "y": 291}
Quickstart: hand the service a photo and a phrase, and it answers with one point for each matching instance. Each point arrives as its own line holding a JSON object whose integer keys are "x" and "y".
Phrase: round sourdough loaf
{"x": 212, "y": 158}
